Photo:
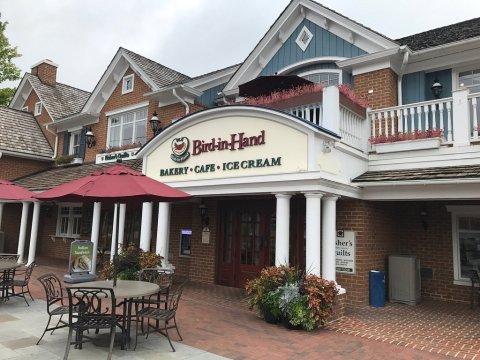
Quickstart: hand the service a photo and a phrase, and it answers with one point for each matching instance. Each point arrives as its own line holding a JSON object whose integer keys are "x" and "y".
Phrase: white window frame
{"x": 458, "y": 211}
{"x": 301, "y": 44}
{"x": 125, "y": 82}
{"x": 25, "y": 108}
{"x": 71, "y": 218}
{"x": 72, "y": 146}
{"x": 38, "y": 108}
{"x": 456, "y": 75}
{"x": 324, "y": 71}
{"x": 121, "y": 114}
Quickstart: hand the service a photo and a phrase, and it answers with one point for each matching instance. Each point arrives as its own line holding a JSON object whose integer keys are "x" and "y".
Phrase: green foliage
{"x": 6, "y": 94}
{"x": 301, "y": 300}
{"x": 8, "y": 70}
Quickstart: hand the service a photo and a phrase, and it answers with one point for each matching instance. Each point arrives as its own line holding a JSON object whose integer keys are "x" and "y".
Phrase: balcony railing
{"x": 309, "y": 112}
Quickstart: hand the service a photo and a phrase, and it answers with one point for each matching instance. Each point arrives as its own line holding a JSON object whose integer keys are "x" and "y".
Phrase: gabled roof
{"x": 442, "y": 35}
{"x": 50, "y": 178}
{"x": 20, "y": 134}
{"x": 60, "y": 100}
{"x": 161, "y": 75}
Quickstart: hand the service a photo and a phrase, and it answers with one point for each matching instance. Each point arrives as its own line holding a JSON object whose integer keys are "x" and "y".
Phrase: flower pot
{"x": 269, "y": 316}
{"x": 408, "y": 145}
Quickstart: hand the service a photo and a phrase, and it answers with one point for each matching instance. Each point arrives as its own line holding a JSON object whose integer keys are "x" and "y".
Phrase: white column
{"x": 461, "y": 136}
{"x": 114, "y": 231}
{"x": 328, "y": 237}
{"x": 331, "y": 109}
{"x": 23, "y": 231}
{"x": 312, "y": 246}
{"x": 146, "y": 230}
{"x": 1, "y": 214}
{"x": 34, "y": 232}
{"x": 282, "y": 238}
{"x": 97, "y": 207}
{"x": 121, "y": 224}
{"x": 163, "y": 232}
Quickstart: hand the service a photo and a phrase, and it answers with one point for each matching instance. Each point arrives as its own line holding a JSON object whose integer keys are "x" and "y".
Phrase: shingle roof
{"x": 161, "y": 75}
{"x": 50, "y": 178}
{"x": 435, "y": 173}
{"x": 442, "y": 35}
{"x": 214, "y": 72}
{"x": 20, "y": 133}
{"x": 60, "y": 100}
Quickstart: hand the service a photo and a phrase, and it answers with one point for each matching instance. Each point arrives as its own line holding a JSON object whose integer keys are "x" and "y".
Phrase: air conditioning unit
{"x": 404, "y": 282}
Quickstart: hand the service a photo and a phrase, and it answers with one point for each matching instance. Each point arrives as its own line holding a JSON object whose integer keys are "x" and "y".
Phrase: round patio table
{"x": 8, "y": 265}
{"x": 127, "y": 290}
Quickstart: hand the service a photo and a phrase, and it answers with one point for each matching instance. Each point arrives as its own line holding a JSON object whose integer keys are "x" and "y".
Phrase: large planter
{"x": 269, "y": 316}
{"x": 289, "y": 326}
{"x": 408, "y": 145}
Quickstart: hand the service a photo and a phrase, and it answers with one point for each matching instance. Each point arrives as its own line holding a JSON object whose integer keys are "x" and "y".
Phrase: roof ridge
{"x": 57, "y": 83}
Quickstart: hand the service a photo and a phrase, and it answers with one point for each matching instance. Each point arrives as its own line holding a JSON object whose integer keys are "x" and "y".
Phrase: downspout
{"x": 187, "y": 107}
{"x": 400, "y": 75}
{"x": 56, "y": 141}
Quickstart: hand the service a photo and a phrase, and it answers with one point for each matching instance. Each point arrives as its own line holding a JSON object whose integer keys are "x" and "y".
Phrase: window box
{"x": 407, "y": 145}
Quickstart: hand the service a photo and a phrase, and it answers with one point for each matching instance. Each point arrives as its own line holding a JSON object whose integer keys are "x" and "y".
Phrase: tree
{"x": 8, "y": 70}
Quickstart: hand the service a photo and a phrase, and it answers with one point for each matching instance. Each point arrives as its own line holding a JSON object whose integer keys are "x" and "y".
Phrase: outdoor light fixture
{"x": 155, "y": 124}
{"x": 436, "y": 89}
{"x": 424, "y": 219}
{"x": 203, "y": 214}
{"x": 90, "y": 138}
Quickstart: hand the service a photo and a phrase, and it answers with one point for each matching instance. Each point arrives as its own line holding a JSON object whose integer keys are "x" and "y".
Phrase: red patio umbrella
{"x": 116, "y": 184}
{"x": 10, "y": 191}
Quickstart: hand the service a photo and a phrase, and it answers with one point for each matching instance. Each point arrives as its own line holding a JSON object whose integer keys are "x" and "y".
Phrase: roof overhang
{"x": 22, "y": 155}
{"x": 213, "y": 79}
{"x": 169, "y": 95}
{"x": 76, "y": 120}
{"x": 389, "y": 58}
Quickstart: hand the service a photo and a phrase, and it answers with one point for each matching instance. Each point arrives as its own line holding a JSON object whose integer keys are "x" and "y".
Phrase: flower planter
{"x": 268, "y": 315}
{"x": 289, "y": 326}
{"x": 407, "y": 145}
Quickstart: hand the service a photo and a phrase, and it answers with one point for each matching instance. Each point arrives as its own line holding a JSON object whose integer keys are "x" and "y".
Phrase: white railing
{"x": 474, "y": 110}
{"x": 351, "y": 128}
{"x": 429, "y": 115}
{"x": 309, "y": 112}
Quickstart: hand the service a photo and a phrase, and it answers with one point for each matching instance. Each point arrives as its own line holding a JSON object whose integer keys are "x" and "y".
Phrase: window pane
{"x": 114, "y": 136}
{"x": 141, "y": 132}
{"x": 127, "y": 135}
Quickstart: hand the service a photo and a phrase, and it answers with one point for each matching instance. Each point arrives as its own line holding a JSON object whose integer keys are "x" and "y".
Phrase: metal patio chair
{"x": 152, "y": 310}
{"x": 90, "y": 308}
{"x": 56, "y": 306}
{"x": 21, "y": 283}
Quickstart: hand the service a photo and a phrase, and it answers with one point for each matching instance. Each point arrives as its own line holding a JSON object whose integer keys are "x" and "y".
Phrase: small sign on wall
{"x": 345, "y": 250}
{"x": 206, "y": 235}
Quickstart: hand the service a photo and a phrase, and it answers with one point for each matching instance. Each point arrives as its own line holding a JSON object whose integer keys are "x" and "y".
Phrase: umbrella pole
{"x": 116, "y": 258}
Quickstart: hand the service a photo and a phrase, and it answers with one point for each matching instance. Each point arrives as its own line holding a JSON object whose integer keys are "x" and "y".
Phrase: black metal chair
{"x": 152, "y": 310}
{"x": 56, "y": 298}
{"x": 6, "y": 279}
{"x": 21, "y": 283}
{"x": 162, "y": 277}
{"x": 90, "y": 308}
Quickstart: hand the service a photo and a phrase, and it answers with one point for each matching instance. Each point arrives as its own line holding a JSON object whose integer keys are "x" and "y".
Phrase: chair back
{"x": 161, "y": 277}
{"x": 29, "y": 271}
{"x": 174, "y": 297}
{"x": 88, "y": 304}
{"x": 53, "y": 288}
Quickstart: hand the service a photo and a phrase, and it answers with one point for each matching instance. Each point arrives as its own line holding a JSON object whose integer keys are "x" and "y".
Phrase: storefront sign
{"x": 81, "y": 253}
{"x": 345, "y": 249}
{"x": 116, "y": 155}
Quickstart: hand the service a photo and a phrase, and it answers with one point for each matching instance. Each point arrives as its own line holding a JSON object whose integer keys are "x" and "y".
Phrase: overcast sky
{"x": 191, "y": 36}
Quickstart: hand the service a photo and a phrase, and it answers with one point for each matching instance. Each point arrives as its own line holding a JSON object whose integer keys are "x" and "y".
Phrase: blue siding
{"x": 209, "y": 96}
{"x": 324, "y": 43}
{"x": 416, "y": 86}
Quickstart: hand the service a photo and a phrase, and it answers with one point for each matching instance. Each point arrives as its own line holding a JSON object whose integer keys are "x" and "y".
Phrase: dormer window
{"x": 304, "y": 38}
{"x": 25, "y": 108}
{"x": 127, "y": 84}
{"x": 38, "y": 108}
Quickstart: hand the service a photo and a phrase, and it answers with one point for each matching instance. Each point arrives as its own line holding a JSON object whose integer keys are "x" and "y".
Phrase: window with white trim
{"x": 469, "y": 79}
{"x": 127, "y": 84}
{"x": 128, "y": 128}
{"x": 38, "y": 108}
{"x": 326, "y": 78}
{"x": 25, "y": 108}
{"x": 74, "y": 148}
{"x": 69, "y": 220}
{"x": 466, "y": 241}
{"x": 304, "y": 38}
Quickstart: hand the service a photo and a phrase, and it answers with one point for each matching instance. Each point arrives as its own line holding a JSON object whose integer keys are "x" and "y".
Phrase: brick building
{"x": 313, "y": 178}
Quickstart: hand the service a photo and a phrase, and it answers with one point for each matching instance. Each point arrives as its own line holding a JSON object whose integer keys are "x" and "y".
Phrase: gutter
{"x": 416, "y": 182}
{"x": 187, "y": 107}
{"x": 56, "y": 140}
{"x": 24, "y": 155}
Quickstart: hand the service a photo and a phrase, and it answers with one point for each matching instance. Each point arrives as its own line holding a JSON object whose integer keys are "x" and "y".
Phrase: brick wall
{"x": 384, "y": 85}
{"x": 12, "y": 167}
{"x": 42, "y": 119}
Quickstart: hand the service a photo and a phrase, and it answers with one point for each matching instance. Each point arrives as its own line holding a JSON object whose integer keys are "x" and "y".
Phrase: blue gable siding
{"x": 209, "y": 96}
{"x": 416, "y": 86}
{"x": 324, "y": 43}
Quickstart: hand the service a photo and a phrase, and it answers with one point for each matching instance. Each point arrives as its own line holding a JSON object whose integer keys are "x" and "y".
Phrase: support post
{"x": 97, "y": 208}
{"x": 163, "y": 232}
{"x": 23, "y": 232}
{"x": 328, "y": 237}
{"x": 312, "y": 247}
{"x": 34, "y": 232}
{"x": 146, "y": 230}
{"x": 282, "y": 238}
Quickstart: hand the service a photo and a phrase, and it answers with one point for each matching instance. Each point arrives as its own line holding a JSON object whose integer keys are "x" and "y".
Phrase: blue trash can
{"x": 377, "y": 288}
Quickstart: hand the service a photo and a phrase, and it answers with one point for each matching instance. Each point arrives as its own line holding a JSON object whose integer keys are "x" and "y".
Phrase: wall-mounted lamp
{"x": 90, "y": 138}
{"x": 203, "y": 214}
{"x": 436, "y": 89}
{"x": 424, "y": 219}
{"x": 155, "y": 124}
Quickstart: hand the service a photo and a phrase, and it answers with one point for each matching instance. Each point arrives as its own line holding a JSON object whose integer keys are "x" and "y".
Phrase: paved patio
{"x": 215, "y": 323}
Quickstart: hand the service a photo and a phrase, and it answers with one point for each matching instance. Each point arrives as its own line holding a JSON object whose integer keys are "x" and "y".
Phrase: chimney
{"x": 46, "y": 70}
